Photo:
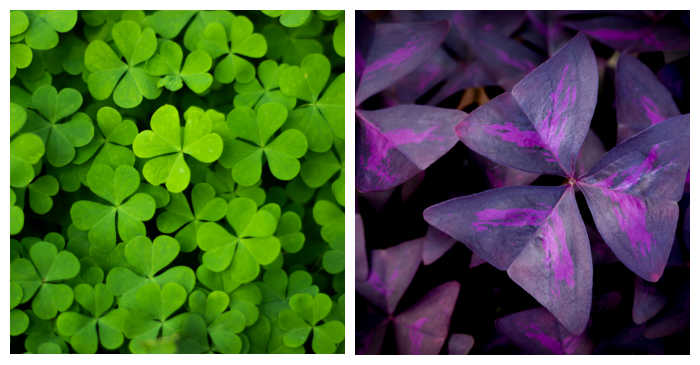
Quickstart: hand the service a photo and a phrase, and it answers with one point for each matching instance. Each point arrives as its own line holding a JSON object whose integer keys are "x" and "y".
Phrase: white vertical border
{"x": 349, "y": 182}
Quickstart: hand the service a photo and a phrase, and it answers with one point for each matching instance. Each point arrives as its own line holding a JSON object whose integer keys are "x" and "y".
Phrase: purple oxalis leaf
{"x": 435, "y": 244}
{"x": 361, "y": 269}
{"x": 397, "y": 143}
{"x": 466, "y": 75}
{"x": 633, "y": 193}
{"x": 430, "y": 73}
{"x": 423, "y": 328}
{"x": 626, "y": 33}
{"x": 641, "y": 99}
{"x": 391, "y": 271}
{"x": 395, "y": 51}
{"x": 460, "y": 344}
{"x": 527, "y": 128}
{"x": 536, "y": 331}
{"x": 506, "y": 60}
{"x": 648, "y": 301}
{"x": 537, "y": 234}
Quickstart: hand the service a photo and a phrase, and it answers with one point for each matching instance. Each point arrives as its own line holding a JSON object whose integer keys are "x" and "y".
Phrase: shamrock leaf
{"x": 292, "y": 45}
{"x": 109, "y": 146}
{"x": 25, "y": 151}
{"x": 164, "y": 142}
{"x": 44, "y": 26}
{"x": 117, "y": 188}
{"x": 339, "y": 39}
{"x": 252, "y": 245}
{"x": 149, "y": 311}
{"x": 240, "y": 41}
{"x": 290, "y": 18}
{"x": 19, "y": 22}
{"x": 108, "y": 72}
{"x": 244, "y": 155}
{"x": 332, "y": 221}
{"x": 303, "y": 318}
{"x": 40, "y": 193}
{"x": 16, "y": 215}
{"x": 178, "y": 214}
{"x": 20, "y": 57}
{"x": 169, "y": 23}
{"x": 144, "y": 260}
{"x": 60, "y": 137}
{"x": 324, "y": 115}
{"x": 318, "y": 168}
{"x": 42, "y": 274}
{"x": 223, "y": 326}
{"x": 277, "y": 288}
{"x": 255, "y": 93}
{"x": 83, "y": 330}
{"x": 167, "y": 62}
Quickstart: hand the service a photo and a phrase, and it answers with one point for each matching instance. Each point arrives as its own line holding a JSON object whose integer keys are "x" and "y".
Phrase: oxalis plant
{"x": 573, "y": 159}
{"x": 177, "y": 182}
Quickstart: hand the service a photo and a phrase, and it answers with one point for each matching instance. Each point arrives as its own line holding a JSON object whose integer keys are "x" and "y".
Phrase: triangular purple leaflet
{"x": 648, "y": 301}
{"x": 460, "y": 344}
{"x": 422, "y": 329}
{"x": 396, "y": 143}
{"x": 526, "y": 128}
{"x": 633, "y": 193}
{"x": 395, "y": 51}
{"x": 391, "y": 272}
{"x": 361, "y": 266}
{"x": 536, "y": 331}
{"x": 641, "y": 100}
{"x": 435, "y": 244}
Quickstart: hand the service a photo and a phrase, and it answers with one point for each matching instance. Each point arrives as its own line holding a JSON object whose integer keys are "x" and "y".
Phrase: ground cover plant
{"x": 522, "y": 182}
{"x": 177, "y": 182}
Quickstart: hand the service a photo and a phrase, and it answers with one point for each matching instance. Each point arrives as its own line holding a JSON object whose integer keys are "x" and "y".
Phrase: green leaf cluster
{"x": 177, "y": 181}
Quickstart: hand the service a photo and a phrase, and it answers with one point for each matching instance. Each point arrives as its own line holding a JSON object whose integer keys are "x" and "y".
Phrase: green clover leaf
{"x": 109, "y": 146}
{"x": 41, "y": 192}
{"x": 42, "y": 274}
{"x": 339, "y": 39}
{"x": 169, "y": 23}
{"x": 145, "y": 259}
{"x": 303, "y": 318}
{"x": 292, "y": 45}
{"x": 16, "y": 215}
{"x": 223, "y": 326}
{"x": 167, "y": 63}
{"x": 240, "y": 40}
{"x": 44, "y": 26}
{"x": 254, "y": 93}
{"x": 117, "y": 188}
{"x": 277, "y": 288}
{"x": 128, "y": 80}
{"x": 60, "y": 137}
{"x": 252, "y": 245}
{"x": 100, "y": 326}
{"x": 195, "y": 30}
{"x": 178, "y": 214}
{"x": 244, "y": 155}
{"x": 20, "y": 57}
{"x": 290, "y": 18}
{"x": 323, "y": 117}
{"x": 164, "y": 142}
{"x": 332, "y": 221}
{"x": 149, "y": 311}
{"x": 19, "y": 22}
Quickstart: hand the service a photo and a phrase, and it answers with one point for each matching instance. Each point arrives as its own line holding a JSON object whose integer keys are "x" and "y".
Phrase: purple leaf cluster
{"x": 530, "y": 161}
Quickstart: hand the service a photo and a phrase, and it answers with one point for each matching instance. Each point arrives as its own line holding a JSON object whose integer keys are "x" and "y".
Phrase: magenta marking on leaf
{"x": 406, "y": 136}
{"x": 547, "y": 341}
{"x": 394, "y": 59}
{"x": 524, "y": 65}
{"x": 416, "y": 336}
{"x": 377, "y": 284}
{"x": 551, "y": 128}
{"x": 633, "y": 174}
{"x": 652, "y": 111}
{"x": 378, "y": 147}
{"x": 557, "y": 253}
{"x": 515, "y": 217}
{"x": 510, "y": 133}
{"x": 631, "y": 217}
{"x": 646, "y": 35}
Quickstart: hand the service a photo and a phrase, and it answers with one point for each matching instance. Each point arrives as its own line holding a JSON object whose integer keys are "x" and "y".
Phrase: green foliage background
{"x": 177, "y": 181}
